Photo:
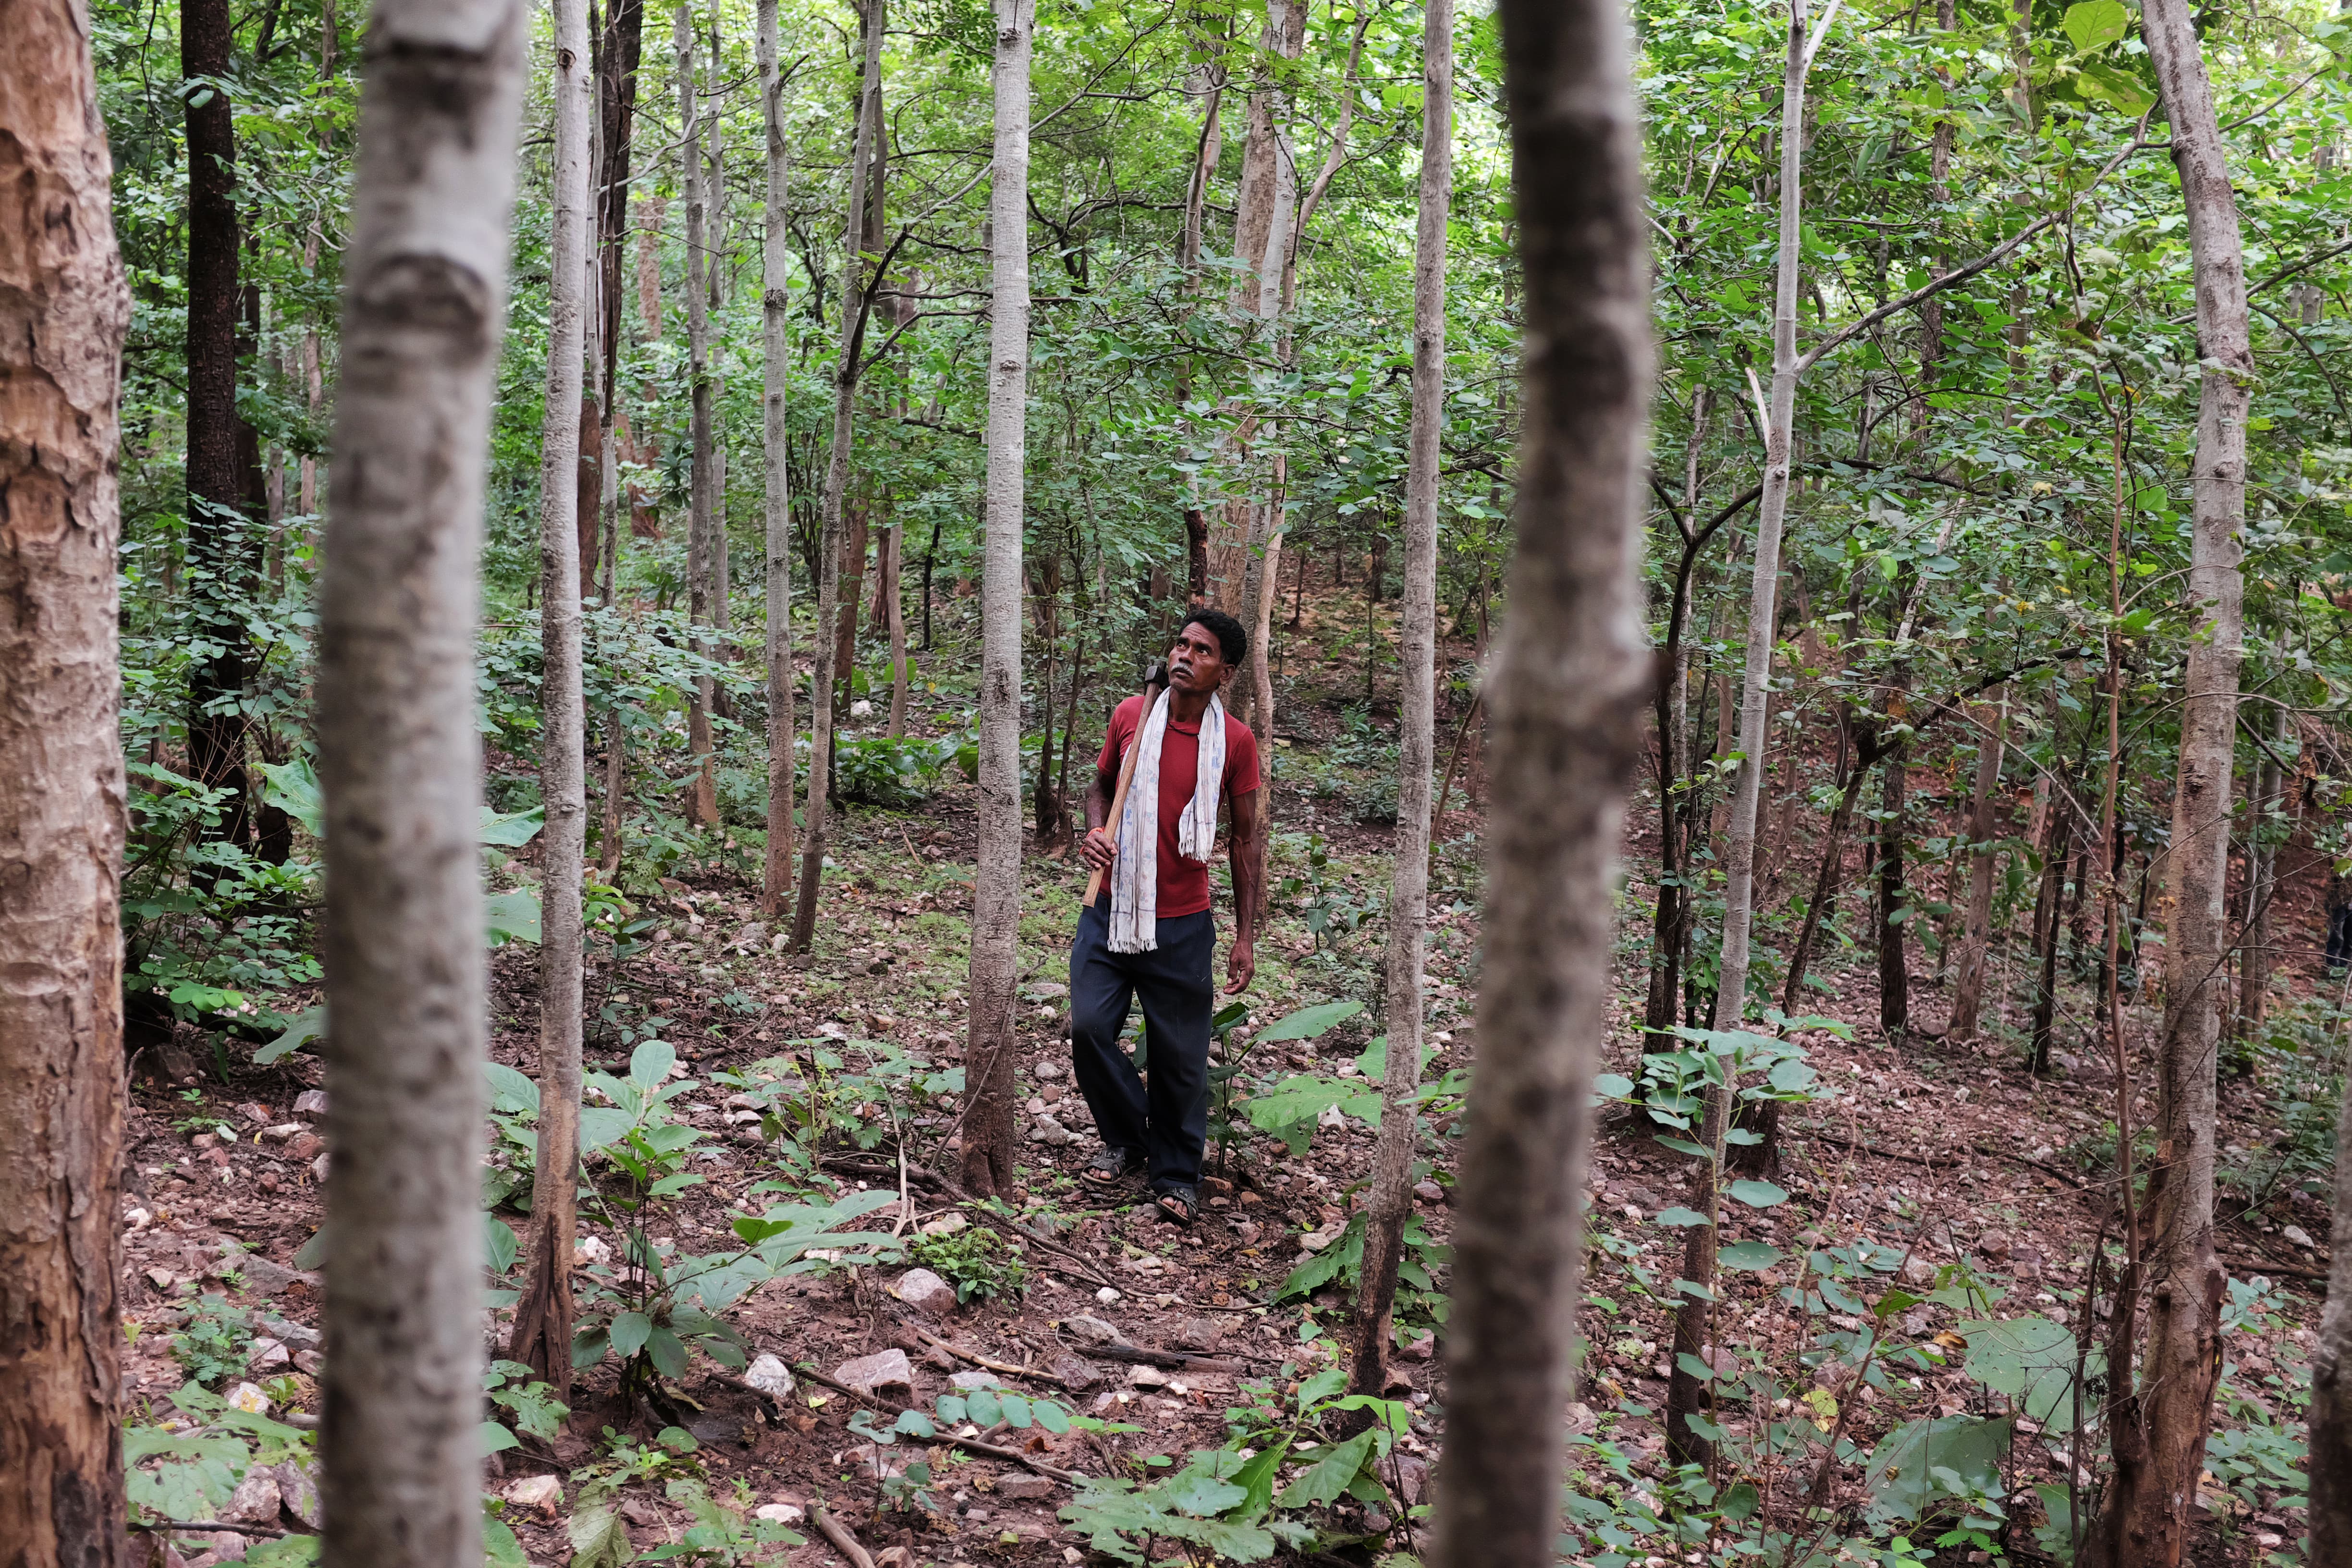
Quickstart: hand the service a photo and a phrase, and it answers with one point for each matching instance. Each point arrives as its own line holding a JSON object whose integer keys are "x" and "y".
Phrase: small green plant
{"x": 214, "y": 1344}
{"x": 1233, "y": 1503}
{"x": 980, "y": 1264}
{"x": 530, "y": 1404}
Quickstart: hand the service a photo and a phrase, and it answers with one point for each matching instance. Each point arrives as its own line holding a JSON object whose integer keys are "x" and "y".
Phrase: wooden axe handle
{"x": 1117, "y": 807}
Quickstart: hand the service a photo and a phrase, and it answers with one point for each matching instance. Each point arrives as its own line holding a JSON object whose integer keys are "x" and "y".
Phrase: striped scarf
{"x": 1135, "y": 874}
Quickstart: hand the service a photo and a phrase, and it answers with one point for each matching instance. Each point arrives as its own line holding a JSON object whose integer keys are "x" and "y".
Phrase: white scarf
{"x": 1135, "y": 874}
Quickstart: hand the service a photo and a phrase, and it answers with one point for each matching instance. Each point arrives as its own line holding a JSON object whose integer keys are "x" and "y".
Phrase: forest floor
{"x": 1971, "y": 1173}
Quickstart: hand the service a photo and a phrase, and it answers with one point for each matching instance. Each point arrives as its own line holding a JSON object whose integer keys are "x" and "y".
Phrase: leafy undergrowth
{"x": 1895, "y": 1372}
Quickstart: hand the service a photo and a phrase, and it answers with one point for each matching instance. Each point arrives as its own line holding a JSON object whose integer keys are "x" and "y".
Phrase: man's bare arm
{"x": 1240, "y": 962}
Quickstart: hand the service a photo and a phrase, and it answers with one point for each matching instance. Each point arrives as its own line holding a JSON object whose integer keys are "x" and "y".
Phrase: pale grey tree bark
{"x": 836, "y": 479}
{"x": 1740, "y": 856}
{"x": 2330, "y": 1514}
{"x": 400, "y": 761}
{"x": 64, "y": 309}
{"x": 775, "y": 287}
{"x": 1975, "y": 932}
{"x": 544, "y": 1317}
{"x": 988, "y": 1129}
{"x": 2159, "y": 1427}
{"x": 1571, "y": 683}
{"x": 702, "y": 792}
{"x": 1417, "y": 723}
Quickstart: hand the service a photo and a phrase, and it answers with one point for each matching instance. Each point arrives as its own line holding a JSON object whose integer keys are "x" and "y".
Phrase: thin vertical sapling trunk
{"x": 66, "y": 307}
{"x": 1391, "y": 1197}
{"x": 544, "y": 1317}
{"x": 775, "y": 307}
{"x": 702, "y": 790}
{"x": 857, "y": 299}
{"x": 988, "y": 1130}
{"x": 1975, "y": 932}
{"x": 1570, "y": 685}
{"x": 2146, "y": 1516}
{"x": 400, "y": 762}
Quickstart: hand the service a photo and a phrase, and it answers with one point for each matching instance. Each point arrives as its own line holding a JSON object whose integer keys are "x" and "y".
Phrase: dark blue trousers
{"x": 2339, "y": 938}
{"x": 1163, "y": 1115}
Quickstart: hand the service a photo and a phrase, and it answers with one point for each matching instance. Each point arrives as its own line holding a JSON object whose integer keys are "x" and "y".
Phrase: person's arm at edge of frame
{"x": 1099, "y": 847}
{"x": 1241, "y": 959}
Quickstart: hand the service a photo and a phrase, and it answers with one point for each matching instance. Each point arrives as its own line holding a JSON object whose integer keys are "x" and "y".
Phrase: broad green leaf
{"x": 293, "y": 788}
{"x": 599, "y": 1538}
{"x": 498, "y": 1244}
{"x": 496, "y": 1440}
{"x": 512, "y": 916}
{"x": 2092, "y": 25}
{"x": 512, "y": 1094}
{"x": 1308, "y": 1023}
{"x": 981, "y": 1406}
{"x": 1748, "y": 1256}
{"x": 601, "y": 1126}
{"x": 1684, "y": 1146}
{"x": 1679, "y": 1216}
{"x": 668, "y": 1353}
{"x": 1195, "y": 1492}
{"x": 1758, "y": 1194}
{"x": 308, "y": 1024}
{"x": 500, "y": 1547}
{"x": 1016, "y": 1410}
{"x": 650, "y": 1063}
{"x": 1330, "y": 1474}
{"x": 1050, "y": 1415}
{"x": 629, "y": 1331}
{"x": 513, "y": 829}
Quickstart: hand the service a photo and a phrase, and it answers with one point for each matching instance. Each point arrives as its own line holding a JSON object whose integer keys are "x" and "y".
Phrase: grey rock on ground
{"x": 870, "y": 1374}
{"x": 769, "y": 1375}
{"x": 926, "y": 1293}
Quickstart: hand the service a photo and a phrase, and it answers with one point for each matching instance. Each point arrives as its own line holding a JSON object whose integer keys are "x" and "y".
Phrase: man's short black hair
{"x": 1224, "y": 628}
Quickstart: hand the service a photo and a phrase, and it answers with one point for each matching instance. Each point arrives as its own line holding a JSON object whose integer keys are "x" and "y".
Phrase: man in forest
{"x": 1150, "y": 935}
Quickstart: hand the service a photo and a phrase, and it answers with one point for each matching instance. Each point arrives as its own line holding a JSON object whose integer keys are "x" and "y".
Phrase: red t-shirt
{"x": 1184, "y": 884}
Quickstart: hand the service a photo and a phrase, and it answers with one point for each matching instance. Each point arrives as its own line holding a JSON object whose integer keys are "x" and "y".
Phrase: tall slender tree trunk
{"x": 400, "y": 761}
{"x": 544, "y": 1317}
{"x": 894, "y": 618}
{"x": 2261, "y": 877}
{"x": 837, "y": 482}
{"x": 1570, "y": 681}
{"x": 2330, "y": 1511}
{"x": 1739, "y": 882}
{"x": 1976, "y": 934}
{"x": 1893, "y": 918}
{"x": 219, "y": 557}
{"x": 775, "y": 273}
{"x": 988, "y": 1129}
{"x": 2049, "y": 923}
{"x": 2159, "y": 1430}
{"x": 1416, "y": 730}
{"x": 65, "y": 307}
{"x": 702, "y": 791}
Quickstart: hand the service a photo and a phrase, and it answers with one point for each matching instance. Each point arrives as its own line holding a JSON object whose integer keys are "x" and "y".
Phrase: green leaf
{"x": 1050, "y": 1415}
{"x": 293, "y": 788}
{"x": 496, "y": 1440}
{"x": 1017, "y": 1411}
{"x": 1748, "y": 1256}
{"x": 1678, "y": 1215}
{"x": 951, "y": 1408}
{"x": 1200, "y": 1493}
{"x": 650, "y": 1063}
{"x": 601, "y": 1126}
{"x": 1684, "y": 1146}
{"x": 599, "y": 1538}
{"x": 982, "y": 1408}
{"x": 2092, "y": 25}
{"x": 499, "y": 1243}
{"x": 1758, "y": 1194}
{"x": 512, "y": 1094}
{"x": 308, "y": 1024}
{"x": 629, "y": 1332}
{"x": 1308, "y": 1023}
{"x": 1613, "y": 1086}
{"x": 1695, "y": 1367}
{"x": 668, "y": 1353}
{"x": 1330, "y": 1474}
{"x": 512, "y": 830}
{"x": 512, "y": 916}
{"x": 500, "y": 1547}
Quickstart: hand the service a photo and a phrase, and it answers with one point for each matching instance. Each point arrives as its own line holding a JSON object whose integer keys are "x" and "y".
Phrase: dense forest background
{"x": 1919, "y": 914}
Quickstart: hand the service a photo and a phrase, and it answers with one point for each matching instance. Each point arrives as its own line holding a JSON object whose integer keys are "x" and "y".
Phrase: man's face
{"x": 1197, "y": 662}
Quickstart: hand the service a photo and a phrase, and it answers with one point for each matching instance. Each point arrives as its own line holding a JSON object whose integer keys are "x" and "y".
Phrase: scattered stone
{"x": 1093, "y": 1330}
{"x": 539, "y": 1494}
{"x": 1048, "y": 1070}
{"x": 267, "y": 1356}
{"x": 781, "y": 1512}
{"x": 311, "y": 1102}
{"x": 769, "y": 1375}
{"x": 589, "y": 1250}
{"x": 1049, "y": 1132}
{"x": 977, "y": 1378}
{"x": 1105, "y": 1295}
{"x": 1429, "y": 1192}
{"x": 926, "y": 1293}
{"x": 1412, "y": 1476}
{"x": 2297, "y": 1235}
{"x": 946, "y": 1225}
{"x": 245, "y": 1397}
{"x": 870, "y": 1374}
{"x": 162, "y": 1279}
{"x": 1247, "y": 1231}
{"x": 300, "y": 1489}
{"x": 255, "y": 1502}
{"x": 1917, "y": 1271}
{"x": 1199, "y": 1333}
{"x": 1420, "y": 1349}
{"x": 894, "y": 1557}
{"x": 1024, "y": 1488}
{"x": 311, "y": 1363}
{"x": 318, "y": 1169}
{"x": 264, "y": 1278}
{"x": 1077, "y": 1372}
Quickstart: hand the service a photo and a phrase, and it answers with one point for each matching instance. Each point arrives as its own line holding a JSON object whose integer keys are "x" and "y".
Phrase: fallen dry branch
{"x": 833, "y": 1530}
